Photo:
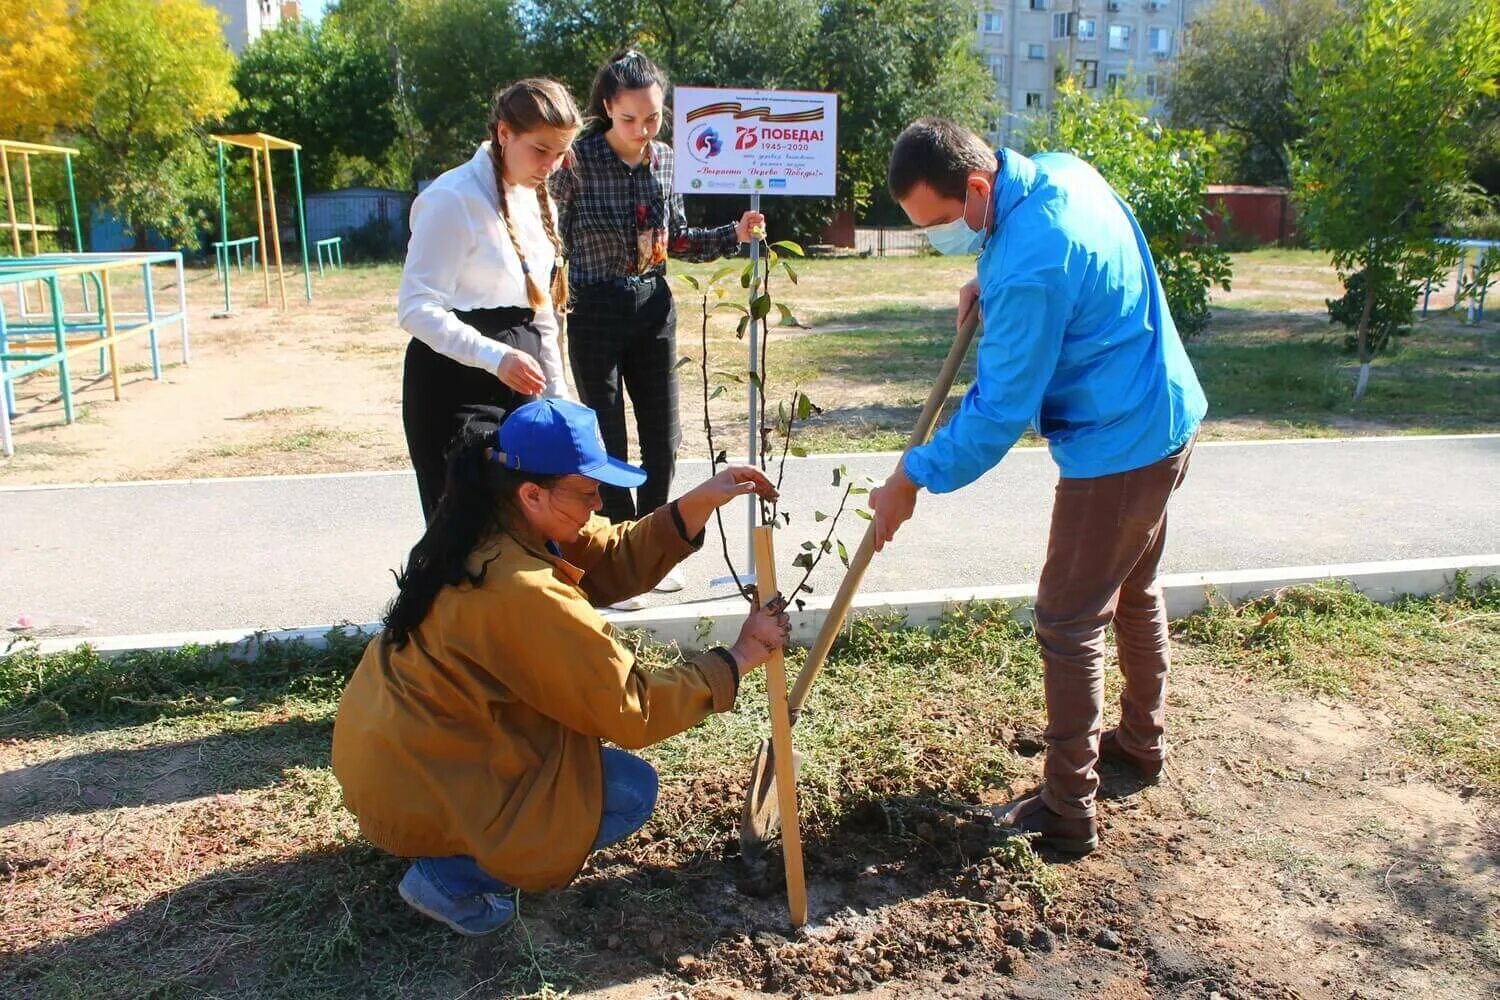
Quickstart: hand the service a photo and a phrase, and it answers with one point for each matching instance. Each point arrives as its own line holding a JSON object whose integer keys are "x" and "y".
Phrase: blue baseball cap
{"x": 556, "y": 437}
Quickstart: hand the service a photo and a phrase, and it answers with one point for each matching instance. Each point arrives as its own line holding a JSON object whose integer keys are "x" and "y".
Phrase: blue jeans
{"x": 629, "y": 799}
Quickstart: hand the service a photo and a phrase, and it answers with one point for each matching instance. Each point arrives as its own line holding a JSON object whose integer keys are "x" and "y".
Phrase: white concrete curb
{"x": 692, "y": 626}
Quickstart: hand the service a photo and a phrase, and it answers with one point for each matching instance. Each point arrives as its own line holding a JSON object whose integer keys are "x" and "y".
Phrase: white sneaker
{"x": 629, "y": 604}
{"x": 672, "y": 582}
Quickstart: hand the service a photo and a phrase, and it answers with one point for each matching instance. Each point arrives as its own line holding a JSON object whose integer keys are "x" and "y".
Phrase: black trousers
{"x": 435, "y": 388}
{"x": 622, "y": 337}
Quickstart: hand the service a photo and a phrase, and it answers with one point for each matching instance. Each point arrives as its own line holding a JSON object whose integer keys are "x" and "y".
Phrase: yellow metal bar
{"x": 275, "y": 227}
{"x": 10, "y": 201}
{"x": 34, "y": 147}
{"x": 30, "y": 201}
{"x": 255, "y": 140}
{"x": 23, "y": 227}
{"x": 111, "y": 336}
{"x": 85, "y": 343}
{"x": 260, "y": 229}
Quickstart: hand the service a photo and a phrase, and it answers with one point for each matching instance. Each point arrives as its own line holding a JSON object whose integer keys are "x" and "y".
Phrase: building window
{"x": 1038, "y": 4}
{"x": 1114, "y": 82}
{"x": 1160, "y": 40}
{"x": 1155, "y": 4}
{"x": 1033, "y": 99}
{"x": 1088, "y": 73}
{"x": 994, "y": 23}
{"x": 1036, "y": 51}
{"x": 1064, "y": 25}
{"x": 1113, "y": 6}
{"x": 1088, "y": 29}
{"x": 1155, "y": 86}
{"x": 1119, "y": 37}
{"x": 997, "y": 66}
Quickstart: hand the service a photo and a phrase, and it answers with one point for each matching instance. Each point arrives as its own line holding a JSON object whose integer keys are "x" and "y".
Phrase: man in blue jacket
{"x": 1078, "y": 343}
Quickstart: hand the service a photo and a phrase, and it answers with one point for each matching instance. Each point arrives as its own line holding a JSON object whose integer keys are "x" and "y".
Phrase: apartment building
{"x": 247, "y": 20}
{"x": 1030, "y": 44}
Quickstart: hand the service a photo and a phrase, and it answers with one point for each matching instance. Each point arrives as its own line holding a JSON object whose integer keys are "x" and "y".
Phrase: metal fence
{"x": 1477, "y": 257}
{"x": 890, "y": 241}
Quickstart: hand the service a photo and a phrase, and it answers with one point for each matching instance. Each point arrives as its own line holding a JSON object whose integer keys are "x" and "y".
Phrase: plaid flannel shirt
{"x": 618, "y": 220}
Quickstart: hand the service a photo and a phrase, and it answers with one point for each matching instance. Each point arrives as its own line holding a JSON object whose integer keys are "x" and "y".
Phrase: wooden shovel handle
{"x": 781, "y": 740}
{"x": 861, "y": 561}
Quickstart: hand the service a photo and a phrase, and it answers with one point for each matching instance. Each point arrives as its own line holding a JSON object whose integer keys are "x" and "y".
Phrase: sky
{"x": 313, "y": 9}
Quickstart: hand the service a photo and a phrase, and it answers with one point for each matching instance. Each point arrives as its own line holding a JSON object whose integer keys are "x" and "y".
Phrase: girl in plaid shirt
{"x": 620, "y": 221}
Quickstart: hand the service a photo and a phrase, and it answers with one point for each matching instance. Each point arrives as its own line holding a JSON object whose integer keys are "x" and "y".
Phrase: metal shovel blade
{"x": 760, "y": 817}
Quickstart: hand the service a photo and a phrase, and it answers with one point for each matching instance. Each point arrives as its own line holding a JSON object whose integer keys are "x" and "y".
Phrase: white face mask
{"x": 956, "y": 238}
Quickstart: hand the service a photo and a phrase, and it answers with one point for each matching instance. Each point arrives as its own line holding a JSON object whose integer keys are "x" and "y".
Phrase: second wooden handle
{"x": 781, "y": 740}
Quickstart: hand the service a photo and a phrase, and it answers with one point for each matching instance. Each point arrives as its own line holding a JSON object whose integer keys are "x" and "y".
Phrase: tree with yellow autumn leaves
{"x": 133, "y": 83}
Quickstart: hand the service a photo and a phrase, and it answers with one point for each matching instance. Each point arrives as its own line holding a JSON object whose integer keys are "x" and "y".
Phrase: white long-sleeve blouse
{"x": 460, "y": 257}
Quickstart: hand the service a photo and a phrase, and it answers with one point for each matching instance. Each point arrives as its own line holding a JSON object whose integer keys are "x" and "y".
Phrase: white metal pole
{"x": 755, "y": 374}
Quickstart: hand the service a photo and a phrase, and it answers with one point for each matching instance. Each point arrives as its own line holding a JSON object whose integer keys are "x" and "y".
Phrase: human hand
{"x": 731, "y": 482}
{"x": 765, "y": 631}
{"x": 892, "y": 505}
{"x": 734, "y": 481}
{"x": 521, "y": 372}
{"x": 752, "y": 225}
{"x": 968, "y": 298}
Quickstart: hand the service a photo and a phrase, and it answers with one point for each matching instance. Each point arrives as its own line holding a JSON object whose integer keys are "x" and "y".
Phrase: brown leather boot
{"x": 1147, "y": 769}
{"x": 1061, "y": 833}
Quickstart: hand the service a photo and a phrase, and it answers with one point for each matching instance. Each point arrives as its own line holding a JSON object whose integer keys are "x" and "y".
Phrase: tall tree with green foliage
{"x": 890, "y": 61}
{"x": 455, "y": 54}
{"x": 327, "y": 89}
{"x": 1235, "y": 74}
{"x": 157, "y": 70}
{"x": 1161, "y": 173}
{"x": 893, "y": 61}
{"x": 1389, "y": 97}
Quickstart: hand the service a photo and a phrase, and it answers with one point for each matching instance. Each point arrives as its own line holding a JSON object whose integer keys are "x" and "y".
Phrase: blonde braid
{"x": 560, "y": 278}
{"x": 534, "y": 293}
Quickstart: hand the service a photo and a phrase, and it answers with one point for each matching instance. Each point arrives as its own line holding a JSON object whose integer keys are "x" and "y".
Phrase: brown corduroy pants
{"x": 1102, "y": 555}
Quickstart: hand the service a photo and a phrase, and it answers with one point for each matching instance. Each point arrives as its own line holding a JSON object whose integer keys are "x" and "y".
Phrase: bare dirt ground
{"x": 1339, "y": 845}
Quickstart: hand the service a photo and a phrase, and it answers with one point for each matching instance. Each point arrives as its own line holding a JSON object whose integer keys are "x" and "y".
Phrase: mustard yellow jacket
{"x": 481, "y": 736}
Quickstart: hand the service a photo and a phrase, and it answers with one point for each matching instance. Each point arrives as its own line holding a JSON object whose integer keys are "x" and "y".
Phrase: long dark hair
{"x": 627, "y": 69}
{"x": 478, "y": 499}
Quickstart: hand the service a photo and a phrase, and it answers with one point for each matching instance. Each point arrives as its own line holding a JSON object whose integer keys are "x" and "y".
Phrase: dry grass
{"x": 873, "y": 333}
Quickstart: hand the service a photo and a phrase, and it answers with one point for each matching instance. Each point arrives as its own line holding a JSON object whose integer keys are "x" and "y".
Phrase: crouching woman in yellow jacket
{"x": 469, "y": 737}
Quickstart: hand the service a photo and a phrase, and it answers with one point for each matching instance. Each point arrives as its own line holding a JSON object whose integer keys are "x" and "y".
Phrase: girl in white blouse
{"x": 483, "y": 283}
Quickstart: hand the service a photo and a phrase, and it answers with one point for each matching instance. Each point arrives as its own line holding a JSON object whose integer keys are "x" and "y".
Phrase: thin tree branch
{"x": 823, "y": 547}
{"x": 713, "y": 459}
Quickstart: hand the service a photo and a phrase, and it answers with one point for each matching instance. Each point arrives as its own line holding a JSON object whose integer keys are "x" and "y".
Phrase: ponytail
{"x": 478, "y": 498}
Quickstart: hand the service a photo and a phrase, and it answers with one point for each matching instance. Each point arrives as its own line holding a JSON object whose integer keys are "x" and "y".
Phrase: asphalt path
{"x": 135, "y": 558}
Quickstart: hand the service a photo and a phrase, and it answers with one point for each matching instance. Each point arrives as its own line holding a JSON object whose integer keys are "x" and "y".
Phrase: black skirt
{"x": 435, "y": 388}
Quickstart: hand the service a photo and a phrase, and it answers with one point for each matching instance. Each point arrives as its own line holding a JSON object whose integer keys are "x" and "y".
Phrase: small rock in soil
{"x": 767, "y": 940}
{"x": 656, "y": 939}
{"x": 1043, "y": 940}
{"x": 1029, "y": 744}
{"x": 1016, "y": 938}
{"x": 612, "y": 942}
{"x": 1108, "y": 939}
